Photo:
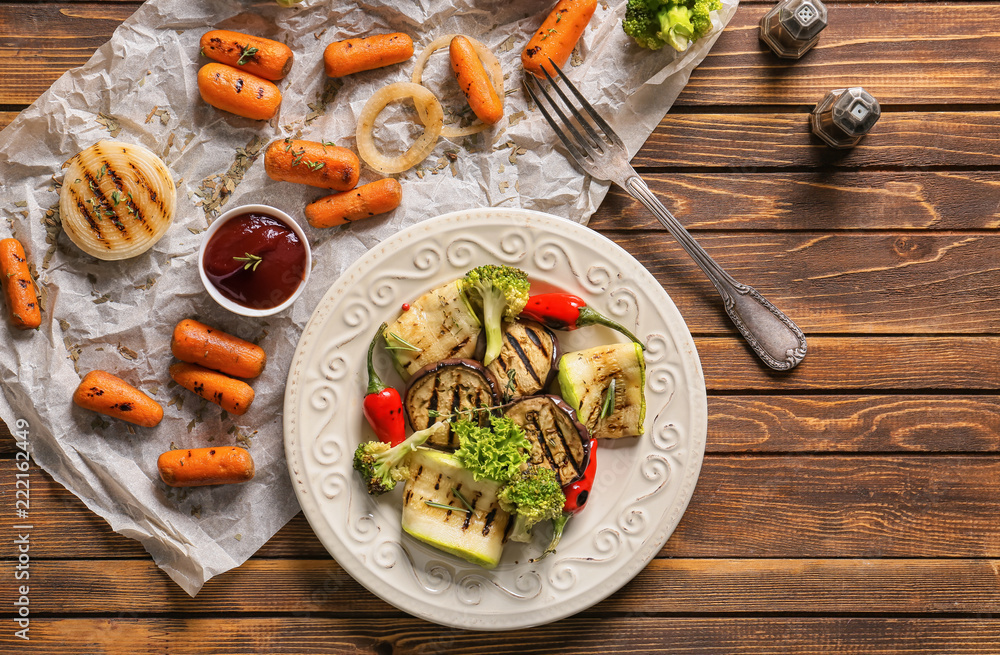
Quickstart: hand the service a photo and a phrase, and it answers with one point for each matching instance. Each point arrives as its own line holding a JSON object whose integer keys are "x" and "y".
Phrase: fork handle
{"x": 772, "y": 335}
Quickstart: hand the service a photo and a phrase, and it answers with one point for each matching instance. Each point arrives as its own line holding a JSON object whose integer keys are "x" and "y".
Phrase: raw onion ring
{"x": 489, "y": 60}
{"x": 425, "y": 101}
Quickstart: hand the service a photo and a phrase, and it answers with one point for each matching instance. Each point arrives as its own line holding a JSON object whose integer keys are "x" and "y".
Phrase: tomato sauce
{"x": 255, "y": 260}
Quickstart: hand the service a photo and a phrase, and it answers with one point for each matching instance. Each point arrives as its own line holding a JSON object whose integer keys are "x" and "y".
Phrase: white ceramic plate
{"x": 643, "y": 484}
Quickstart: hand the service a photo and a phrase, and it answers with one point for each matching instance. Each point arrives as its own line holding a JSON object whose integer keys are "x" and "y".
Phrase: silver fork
{"x": 601, "y": 153}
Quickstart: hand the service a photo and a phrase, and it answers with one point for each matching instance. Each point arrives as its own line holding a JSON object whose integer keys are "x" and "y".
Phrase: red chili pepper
{"x": 577, "y": 494}
{"x": 383, "y": 407}
{"x": 564, "y": 311}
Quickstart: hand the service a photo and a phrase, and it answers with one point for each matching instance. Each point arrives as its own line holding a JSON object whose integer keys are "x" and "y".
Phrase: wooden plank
{"x": 685, "y": 586}
{"x": 843, "y": 283}
{"x": 835, "y": 424}
{"x": 815, "y": 200}
{"x": 918, "y": 65}
{"x": 582, "y": 635}
{"x": 844, "y": 363}
{"x": 885, "y": 506}
{"x": 6, "y": 117}
{"x": 746, "y": 143}
{"x": 39, "y": 45}
{"x": 891, "y": 506}
{"x": 853, "y": 424}
{"x": 932, "y": 54}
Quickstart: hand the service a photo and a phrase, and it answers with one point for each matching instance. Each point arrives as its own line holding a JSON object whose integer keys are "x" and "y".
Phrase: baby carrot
{"x": 108, "y": 394}
{"x": 254, "y": 54}
{"x": 238, "y": 92}
{"x": 197, "y": 343}
{"x": 355, "y": 55}
{"x": 321, "y": 165}
{"x": 18, "y": 287}
{"x": 557, "y": 36}
{"x": 234, "y": 396}
{"x": 474, "y": 82}
{"x": 197, "y": 467}
{"x": 367, "y": 200}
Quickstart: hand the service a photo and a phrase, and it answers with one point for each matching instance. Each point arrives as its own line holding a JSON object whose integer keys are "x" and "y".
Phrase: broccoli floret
{"x": 496, "y": 453}
{"x": 496, "y": 293}
{"x": 382, "y": 467}
{"x": 533, "y": 496}
{"x": 655, "y": 23}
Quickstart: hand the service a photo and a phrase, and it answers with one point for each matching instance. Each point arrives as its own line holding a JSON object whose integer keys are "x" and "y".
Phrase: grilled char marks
{"x": 558, "y": 440}
{"x": 527, "y": 360}
{"x": 451, "y": 387}
{"x": 142, "y": 183}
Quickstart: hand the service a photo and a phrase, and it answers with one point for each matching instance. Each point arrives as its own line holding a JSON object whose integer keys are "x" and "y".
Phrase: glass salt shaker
{"x": 791, "y": 28}
{"x": 844, "y": 116}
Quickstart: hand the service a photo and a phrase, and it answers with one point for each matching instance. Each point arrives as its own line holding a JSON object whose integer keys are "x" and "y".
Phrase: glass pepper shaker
{"x": 791, "y": 28}
{"x": 844, "y": 116}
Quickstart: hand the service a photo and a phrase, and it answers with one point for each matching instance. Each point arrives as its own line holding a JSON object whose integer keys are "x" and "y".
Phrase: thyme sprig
{"x": 246, "y": 53}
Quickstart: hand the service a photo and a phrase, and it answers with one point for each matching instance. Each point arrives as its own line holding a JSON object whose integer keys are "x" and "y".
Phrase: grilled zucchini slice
{"x": 438, "y": 325}
{"x": 585, "y": 378}
{"x": 476, "y": 536}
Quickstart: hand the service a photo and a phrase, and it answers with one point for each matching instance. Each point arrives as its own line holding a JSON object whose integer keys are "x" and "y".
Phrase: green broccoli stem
{"x": 520, "y": 531}
{"x": 385, "y": 462}
{"x": 558, "y": 525}
{"x": 493, "y": 323}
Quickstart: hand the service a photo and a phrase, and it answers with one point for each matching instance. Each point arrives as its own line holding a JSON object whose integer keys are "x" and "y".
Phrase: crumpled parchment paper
{"x": 141, "y": 87}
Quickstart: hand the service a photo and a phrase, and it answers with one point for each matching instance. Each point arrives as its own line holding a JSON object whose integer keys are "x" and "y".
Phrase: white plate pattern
{"x": 643, "y": 485}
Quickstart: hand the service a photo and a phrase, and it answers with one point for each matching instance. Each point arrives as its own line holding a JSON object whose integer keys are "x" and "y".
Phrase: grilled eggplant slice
{"x": 527, "y": 362}
{"x": 438, "y": 325}
{"x": 558, "y": 440}
{"x": 585, "y": 381}
{"x": 439, "y": 478}
{"x": 446, "y": 388}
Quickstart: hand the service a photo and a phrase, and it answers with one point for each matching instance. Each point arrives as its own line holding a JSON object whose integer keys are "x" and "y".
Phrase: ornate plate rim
{"x": 310, "y": 503}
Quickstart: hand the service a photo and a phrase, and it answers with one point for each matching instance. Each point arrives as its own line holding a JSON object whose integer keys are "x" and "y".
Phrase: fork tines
{"x": 586, "y": 149}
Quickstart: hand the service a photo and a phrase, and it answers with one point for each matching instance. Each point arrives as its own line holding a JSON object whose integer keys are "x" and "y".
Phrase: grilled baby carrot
{"x": 18, "y": 287}
{"x": 254, "y": 54}
{"x": 355, "y": 55}
{"x": 367, "y": 200}
{"x": 557, "y": 36}
{"x": 474, "y": 82}
{"x": 197, "y": 343}
{"x": 108, "y": 394}
{"x": 308, "y": 162}
{"x": 198, "y": 467}
{"x": 238, "y": 92}
{"x": 234, "y": 396}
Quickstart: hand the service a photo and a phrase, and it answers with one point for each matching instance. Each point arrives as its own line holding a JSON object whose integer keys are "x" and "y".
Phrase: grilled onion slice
{"x": 117, "y": 200}
{"x": 425, "y": 101}
{"x": 490, "y": 62}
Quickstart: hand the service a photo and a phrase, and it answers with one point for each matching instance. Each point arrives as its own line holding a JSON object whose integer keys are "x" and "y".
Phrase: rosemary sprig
{"x": 246, "y": 53}
{"x": 458, "y": 494}
{"x": 608, "y": 405}
{"x": 405, "y": 345}
{"x": 252, "y": 261}
{"x": 315, "y": 165}
{"x": 431, "y": 503}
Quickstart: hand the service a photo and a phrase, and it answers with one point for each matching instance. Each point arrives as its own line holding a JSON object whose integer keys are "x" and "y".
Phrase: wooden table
{"x": 849, "y": 506}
